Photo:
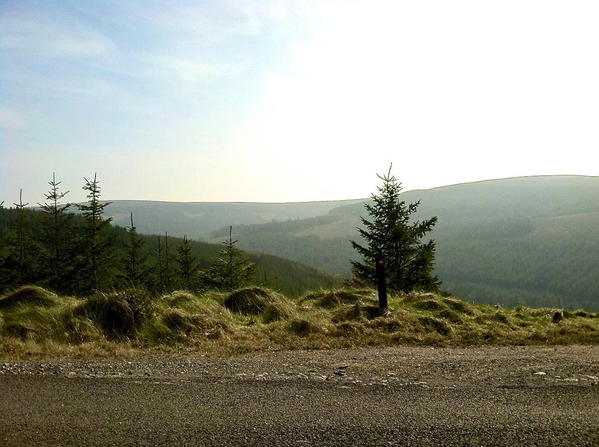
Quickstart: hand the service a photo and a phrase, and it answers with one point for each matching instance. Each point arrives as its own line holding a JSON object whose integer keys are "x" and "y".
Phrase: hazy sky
{"x": 262, "y": 100}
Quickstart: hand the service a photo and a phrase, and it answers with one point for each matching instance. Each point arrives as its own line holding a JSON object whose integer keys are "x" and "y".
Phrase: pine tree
{"x": 56, "y": 234}
{"x": 393, "y": 235}
{"x": 21, "y": 242}
{"x": 163, "y": 270}
{"x": 98, "y": 243}
{"x": 187, "y": 264}
{"x": 134, "y": 260}
{"x": 231, "y": 269}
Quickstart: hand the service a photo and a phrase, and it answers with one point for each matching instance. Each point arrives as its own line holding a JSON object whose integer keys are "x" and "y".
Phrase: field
{"x": 35, "y": 322}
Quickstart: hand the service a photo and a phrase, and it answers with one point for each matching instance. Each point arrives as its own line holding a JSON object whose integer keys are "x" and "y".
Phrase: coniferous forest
{"x": 75, "y": 249}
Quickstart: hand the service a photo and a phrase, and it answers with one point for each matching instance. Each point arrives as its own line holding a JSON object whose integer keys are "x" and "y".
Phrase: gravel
{"x": 371, "y": 397}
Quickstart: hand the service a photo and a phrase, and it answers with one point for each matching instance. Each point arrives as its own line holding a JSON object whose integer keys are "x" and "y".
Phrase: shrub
{"x": 120, "y": 314}
{"x": 250, "y": 300}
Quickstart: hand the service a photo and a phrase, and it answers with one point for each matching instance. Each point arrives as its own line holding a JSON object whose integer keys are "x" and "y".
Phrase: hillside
{"x": 287, "y": 276}
{"x": 532, "y": 240}
{"x": 198, "y": 219}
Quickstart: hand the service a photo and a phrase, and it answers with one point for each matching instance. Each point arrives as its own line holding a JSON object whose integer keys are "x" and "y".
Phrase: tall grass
{"x": 34, "y": 321}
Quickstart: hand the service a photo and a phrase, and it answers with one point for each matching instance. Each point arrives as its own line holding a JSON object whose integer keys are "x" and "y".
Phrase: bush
{"x": 249, "y": 300}
{"x": 257, "y": 300}
{"x": 120, "y": 314}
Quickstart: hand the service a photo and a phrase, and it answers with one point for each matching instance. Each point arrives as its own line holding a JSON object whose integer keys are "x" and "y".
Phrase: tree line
{"x": 80, "y": 253}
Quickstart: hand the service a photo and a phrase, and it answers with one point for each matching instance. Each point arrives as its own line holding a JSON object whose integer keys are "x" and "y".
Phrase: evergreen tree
{"x": 21, "y": 259}
{"x": 98, "y": 244}
{"x": 231, "y": 269}
{"x": 56, "y": 236}
{"x": 162, "y": 267}
{"x": 187, "y": 264}
{"x": 391, "y": 234}
{"x": 134, "y": 260}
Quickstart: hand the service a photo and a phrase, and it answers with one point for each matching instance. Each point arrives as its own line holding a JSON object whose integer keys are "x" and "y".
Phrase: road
{"x": 503, "y": 396}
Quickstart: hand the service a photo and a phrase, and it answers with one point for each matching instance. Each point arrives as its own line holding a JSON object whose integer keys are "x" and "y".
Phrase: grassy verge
{"x": 34, "y": 322}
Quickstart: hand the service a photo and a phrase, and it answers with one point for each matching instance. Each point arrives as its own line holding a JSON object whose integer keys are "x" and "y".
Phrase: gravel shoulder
{"x": 411, "y": 396}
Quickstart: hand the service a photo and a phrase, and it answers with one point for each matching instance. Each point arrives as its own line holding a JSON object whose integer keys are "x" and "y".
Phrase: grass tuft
{"x": 28, "y": 295}
{"x": 252, "y": 319}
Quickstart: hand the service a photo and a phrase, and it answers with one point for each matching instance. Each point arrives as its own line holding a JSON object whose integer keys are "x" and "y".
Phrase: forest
{"x": 74, "y": 250}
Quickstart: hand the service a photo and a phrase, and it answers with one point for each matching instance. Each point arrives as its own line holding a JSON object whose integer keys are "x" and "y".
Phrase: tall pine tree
{"x": 98, "y": 244}
{"x": 56, "y": 236}
{"x": 391, "y": 233}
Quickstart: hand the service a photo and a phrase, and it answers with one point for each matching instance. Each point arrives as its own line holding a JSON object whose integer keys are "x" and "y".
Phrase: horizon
{"x": 287, "y": 101}
{"x": 7, "y": 203}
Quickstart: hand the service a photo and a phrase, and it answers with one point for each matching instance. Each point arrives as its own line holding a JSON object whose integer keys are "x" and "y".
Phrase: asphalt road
{"x": 380, "y": 397}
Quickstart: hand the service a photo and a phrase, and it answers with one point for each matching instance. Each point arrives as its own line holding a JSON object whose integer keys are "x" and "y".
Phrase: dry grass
{"x": 35, "y": 322}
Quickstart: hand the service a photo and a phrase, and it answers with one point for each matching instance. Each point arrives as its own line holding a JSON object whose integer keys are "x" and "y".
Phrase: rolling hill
{"x": 532, "y": 240}
{"x": 198, "y": 219}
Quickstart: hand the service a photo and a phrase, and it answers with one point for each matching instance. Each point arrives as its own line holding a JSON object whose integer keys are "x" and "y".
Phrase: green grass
{"x": 35, "y": 322}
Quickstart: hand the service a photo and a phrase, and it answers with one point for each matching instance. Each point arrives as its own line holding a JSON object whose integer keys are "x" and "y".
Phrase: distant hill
{"x": 533, "y": 240}
{"x": 528, "y": 240}
{"x": 198, "y": 219}
{"x": 287, "y": 276}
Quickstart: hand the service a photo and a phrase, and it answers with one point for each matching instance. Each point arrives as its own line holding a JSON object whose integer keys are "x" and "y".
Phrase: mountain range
{"x": 530, "y": 240}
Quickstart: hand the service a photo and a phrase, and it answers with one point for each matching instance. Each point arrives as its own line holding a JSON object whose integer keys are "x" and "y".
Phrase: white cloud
{"x": 187, "y": 69}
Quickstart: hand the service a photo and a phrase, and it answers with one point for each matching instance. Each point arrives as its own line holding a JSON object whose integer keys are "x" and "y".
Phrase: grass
{"x": 35, "y": 322}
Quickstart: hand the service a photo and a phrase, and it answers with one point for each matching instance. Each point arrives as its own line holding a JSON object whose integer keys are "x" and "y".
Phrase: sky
{"x": 292, "y": 100}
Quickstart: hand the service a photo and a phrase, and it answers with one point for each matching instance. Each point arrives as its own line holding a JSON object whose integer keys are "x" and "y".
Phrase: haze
{"x": 292, "y": 100}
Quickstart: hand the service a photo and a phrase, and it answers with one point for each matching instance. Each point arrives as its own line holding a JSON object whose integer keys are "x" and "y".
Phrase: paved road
{"x": 387, "y": 397}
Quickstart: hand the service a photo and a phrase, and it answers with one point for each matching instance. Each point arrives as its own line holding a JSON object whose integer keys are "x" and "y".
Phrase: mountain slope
{"x": 533, "y": 240}
{"x": 198, "y": 219}
{"x": 290, "y": 277}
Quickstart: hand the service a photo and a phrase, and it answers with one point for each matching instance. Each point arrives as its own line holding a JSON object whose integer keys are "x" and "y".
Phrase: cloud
{"x": 192, "y": 71}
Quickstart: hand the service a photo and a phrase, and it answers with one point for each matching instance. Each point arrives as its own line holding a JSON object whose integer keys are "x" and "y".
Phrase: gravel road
{"x": 503, "y": 396}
